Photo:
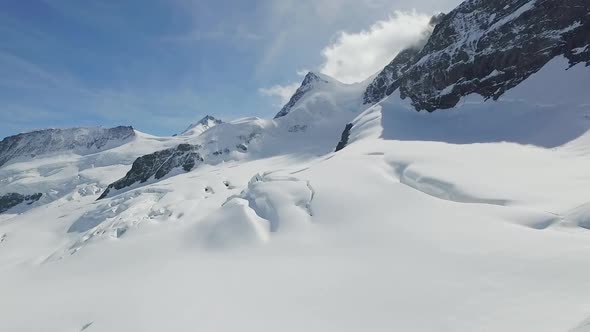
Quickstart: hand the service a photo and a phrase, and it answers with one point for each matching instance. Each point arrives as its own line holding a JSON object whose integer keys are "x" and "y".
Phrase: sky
{"x": 160, "y": 65}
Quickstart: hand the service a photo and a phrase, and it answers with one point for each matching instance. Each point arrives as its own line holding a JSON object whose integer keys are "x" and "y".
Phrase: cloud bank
{"x": 353, "y": 57}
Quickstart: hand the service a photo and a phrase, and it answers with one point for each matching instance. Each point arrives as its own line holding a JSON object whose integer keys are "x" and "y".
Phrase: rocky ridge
{"x": 486, "y": 47}
{"x": 158, "y": 165}
{"x": 79, "y": 140}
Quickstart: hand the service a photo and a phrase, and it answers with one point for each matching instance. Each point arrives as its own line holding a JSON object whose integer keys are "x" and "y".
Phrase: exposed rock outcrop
{"x": 486, "y": 47}
{"x": 10, "y": 200}
{"x": 158, "y": 165}
{"x": 79, "y": 140}
{"x": 345, "y": 136}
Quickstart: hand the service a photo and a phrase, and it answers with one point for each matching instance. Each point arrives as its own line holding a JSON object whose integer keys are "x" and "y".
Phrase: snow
{"x": 201, "y": 126}
{"x": 513, "y": 15}
{"x": 469, "y": 219}
{"x": 530, "y": 113}
{"x": 82, "y": 141}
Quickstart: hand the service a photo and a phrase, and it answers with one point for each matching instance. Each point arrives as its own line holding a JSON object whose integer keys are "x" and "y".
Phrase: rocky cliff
{"x": 486, "y": 47}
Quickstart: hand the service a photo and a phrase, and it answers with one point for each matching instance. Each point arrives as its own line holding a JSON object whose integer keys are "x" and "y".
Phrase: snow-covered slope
{"x": 201, "y": 126}
{"x": 475, "y": 218}
{"x": 308, "y": 125}
{"x": 79, "y": 140}
{"x": 530, "y": 113}
{"x": 71, "y": 173}
{"x": 321, "y": 96}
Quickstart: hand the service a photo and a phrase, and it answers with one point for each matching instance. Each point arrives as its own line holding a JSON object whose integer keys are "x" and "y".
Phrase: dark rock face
{"x": 81, "y": 140}
{"x": 345, "y": 136}
{"x": 389, "y": 78}
{"x": 308, "y": 83}
{"x": 158, "y": 165}
{"x": 242, "y": 148}
{"x": 11, "y": 200}
{"x": 486, "y": 47}
{"x": 205, "y": 120}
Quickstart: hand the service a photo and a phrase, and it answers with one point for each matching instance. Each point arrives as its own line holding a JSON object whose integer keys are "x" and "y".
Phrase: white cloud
{"x": 302, "y": 72}
{"x": 283, "y": 92}
{"x": 353, "y": 57}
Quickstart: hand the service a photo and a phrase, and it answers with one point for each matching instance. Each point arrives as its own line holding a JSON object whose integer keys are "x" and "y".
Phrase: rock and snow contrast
{"x": 80, "y": 140}
{"x": 349, "y": 211}
{"x": 201, "y": 126}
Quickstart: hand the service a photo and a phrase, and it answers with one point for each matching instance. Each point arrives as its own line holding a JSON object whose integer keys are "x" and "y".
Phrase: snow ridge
{"x": 77, "y": 140}
{"x": 201, "y": 126}
{"x": 310, "y": 81}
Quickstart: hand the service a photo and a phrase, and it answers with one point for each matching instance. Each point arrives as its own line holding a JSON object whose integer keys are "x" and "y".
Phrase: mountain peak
{"x": 312, "y": 77}
{"x": 486, "y": 48}
{"x": 208, "y": 118}
{"x": 310, "y": 80}
{"x": 199, "y": 127}
{"x": 80, "y": 140}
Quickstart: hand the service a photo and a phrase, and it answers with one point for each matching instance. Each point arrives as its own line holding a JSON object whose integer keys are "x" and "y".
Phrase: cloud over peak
{"x": 353, "y": 57}
{"x": 282, "y": 92}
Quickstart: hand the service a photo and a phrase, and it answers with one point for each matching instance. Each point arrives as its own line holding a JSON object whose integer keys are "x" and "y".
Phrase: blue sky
{"x": 161, "y": 64}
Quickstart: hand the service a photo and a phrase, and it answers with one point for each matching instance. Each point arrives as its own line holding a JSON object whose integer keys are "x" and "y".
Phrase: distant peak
{"x": 312, "y": 77}
{"x": 71, "y": 129}
{"x": 205, "y": 120}
{"x": 208, "y": 121}
{"x": 309, "y": 83}
{"x": 79, "y": 140}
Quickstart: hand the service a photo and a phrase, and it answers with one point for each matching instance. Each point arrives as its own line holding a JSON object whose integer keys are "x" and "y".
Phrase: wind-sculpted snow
{"x": 577, "y": 217}
{"x": 439, "y": 188}
{"x": 472, "y": 219}
{"x": 235, "y": 225}
{"x": 281, "y": 200}
{"x": 120, "y": 213}
{"x": 78, "y": 140}
{"x": 486, "y": 47}
{"x": 269, "y": 204}
{"x": 112, "y": 219}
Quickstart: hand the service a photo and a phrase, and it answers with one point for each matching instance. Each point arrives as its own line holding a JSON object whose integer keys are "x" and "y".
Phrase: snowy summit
{"x": 201, "y": 126}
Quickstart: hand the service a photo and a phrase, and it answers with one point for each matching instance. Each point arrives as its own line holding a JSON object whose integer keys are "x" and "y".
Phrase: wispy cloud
{"x": 281, "y": 92}
{"x": 353, "y": 57}
{"x": 302, "y": 72}
{"x": 235, "y": 33}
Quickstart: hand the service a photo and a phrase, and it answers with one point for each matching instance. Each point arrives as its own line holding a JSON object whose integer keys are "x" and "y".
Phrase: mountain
{"x": 158, "y": 165}
{"x": 454, "y": 219}
{"x": 201, "y": 126}
{"x": 486, "y": 47}
{"x": 310, "y": 81}
{"x": 78, "y": 140}
{"x": 321, "y": 96}
{"x": 8, "y": 201}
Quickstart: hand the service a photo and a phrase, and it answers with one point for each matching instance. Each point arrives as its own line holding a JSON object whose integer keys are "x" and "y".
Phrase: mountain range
{"x": 448, "y": 192}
